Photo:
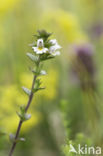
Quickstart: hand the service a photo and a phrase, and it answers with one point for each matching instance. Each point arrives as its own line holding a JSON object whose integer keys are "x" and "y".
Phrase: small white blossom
{"x": 40, "y": 49}
{"x": 53, "y": 50}
{"x": 43, "y": 72}
{"x": 53, "y": 41}
{"x": 56, "y": 53}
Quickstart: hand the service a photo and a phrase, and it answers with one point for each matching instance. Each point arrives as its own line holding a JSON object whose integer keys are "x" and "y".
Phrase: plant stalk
{"x": 21, "y": 122}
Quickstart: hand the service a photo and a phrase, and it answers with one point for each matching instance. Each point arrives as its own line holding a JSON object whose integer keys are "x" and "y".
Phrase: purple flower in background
{"x": 83, "y": 67}
{"x": 84, "y": 54}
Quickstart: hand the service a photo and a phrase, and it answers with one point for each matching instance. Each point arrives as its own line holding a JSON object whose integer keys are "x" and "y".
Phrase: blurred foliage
{"x": 69, "y": 29}
{"x": 80, "y": 139}
{"x": 7, "y": 5}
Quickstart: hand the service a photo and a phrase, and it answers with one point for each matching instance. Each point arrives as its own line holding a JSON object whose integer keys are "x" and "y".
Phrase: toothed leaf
{"x": 32, "y": 57}
{"x": 38, "y": 89}
{"x": 26, "y": 90}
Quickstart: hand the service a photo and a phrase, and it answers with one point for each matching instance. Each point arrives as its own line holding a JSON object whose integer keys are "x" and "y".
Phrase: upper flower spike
{"x": 46, "y": 46}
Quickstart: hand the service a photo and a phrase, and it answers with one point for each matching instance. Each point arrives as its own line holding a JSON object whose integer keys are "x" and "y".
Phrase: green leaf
{"x": 26, "y": 90}
{"x": 37, "y": 89}
{"x": 35, "y": 72}
{"x": 19, "y": 115}
{"x": 38, "y": 82}
{"x": 33, "y": 57}
{"x": 23, "y": 115}
{"x": 50, "y": 57}
{"x": 46, "y": 57}
{"x": 47, "y": 44}
{"x": 22, "y": 109}
{"x": 41, "y": 88}
{"x": 37, "y": 85}
{"x": 43, "y": 34}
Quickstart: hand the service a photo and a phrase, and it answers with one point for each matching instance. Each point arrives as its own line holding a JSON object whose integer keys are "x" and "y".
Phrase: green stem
{"x": 21, "y": 122}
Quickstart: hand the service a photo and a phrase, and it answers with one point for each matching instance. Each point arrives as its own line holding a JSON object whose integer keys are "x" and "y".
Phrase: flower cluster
{"x": 44, "y": 49}
{"x": 45, "y": 46}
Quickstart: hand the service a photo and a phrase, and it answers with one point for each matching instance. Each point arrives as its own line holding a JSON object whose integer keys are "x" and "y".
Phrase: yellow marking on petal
{"x": 40, "y": 48}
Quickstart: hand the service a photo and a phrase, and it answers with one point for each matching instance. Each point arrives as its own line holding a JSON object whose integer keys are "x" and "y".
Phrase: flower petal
{"x": 56, "y": 53}
{"x": 45, "y": 50}
{"x": 54, "y": 48}
{"x": 35, "y": 49}
{"x": 53, "y": 41}
{"x": 39, "y": 51}
{"x": 40, "y": 43}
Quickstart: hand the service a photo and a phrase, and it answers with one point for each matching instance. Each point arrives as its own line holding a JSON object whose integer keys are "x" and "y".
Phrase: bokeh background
{"x": 71, "y": 107}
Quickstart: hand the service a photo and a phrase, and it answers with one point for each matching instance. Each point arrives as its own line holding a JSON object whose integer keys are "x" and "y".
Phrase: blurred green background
{"x": 62, "y": 112}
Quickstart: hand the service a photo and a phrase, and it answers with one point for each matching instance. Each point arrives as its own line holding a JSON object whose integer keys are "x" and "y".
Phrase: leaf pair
{"x": 32, "y": 57}
{"x": 12, "y": 138}
{"x": 37, "y": 86}
{"x": 23, "y": 115}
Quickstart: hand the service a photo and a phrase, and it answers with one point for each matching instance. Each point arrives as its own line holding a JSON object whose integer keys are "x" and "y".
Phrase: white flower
{"x": 53, "y": 41}
{"x": 53, "y": 50}
{"x": 40, "y": 49}
{"x": 43, "y": 72}
{"x": 55, "y": 53}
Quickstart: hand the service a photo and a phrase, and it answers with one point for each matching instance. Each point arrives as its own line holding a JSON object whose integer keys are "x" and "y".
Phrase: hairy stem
{"x": 21, "y": 122}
